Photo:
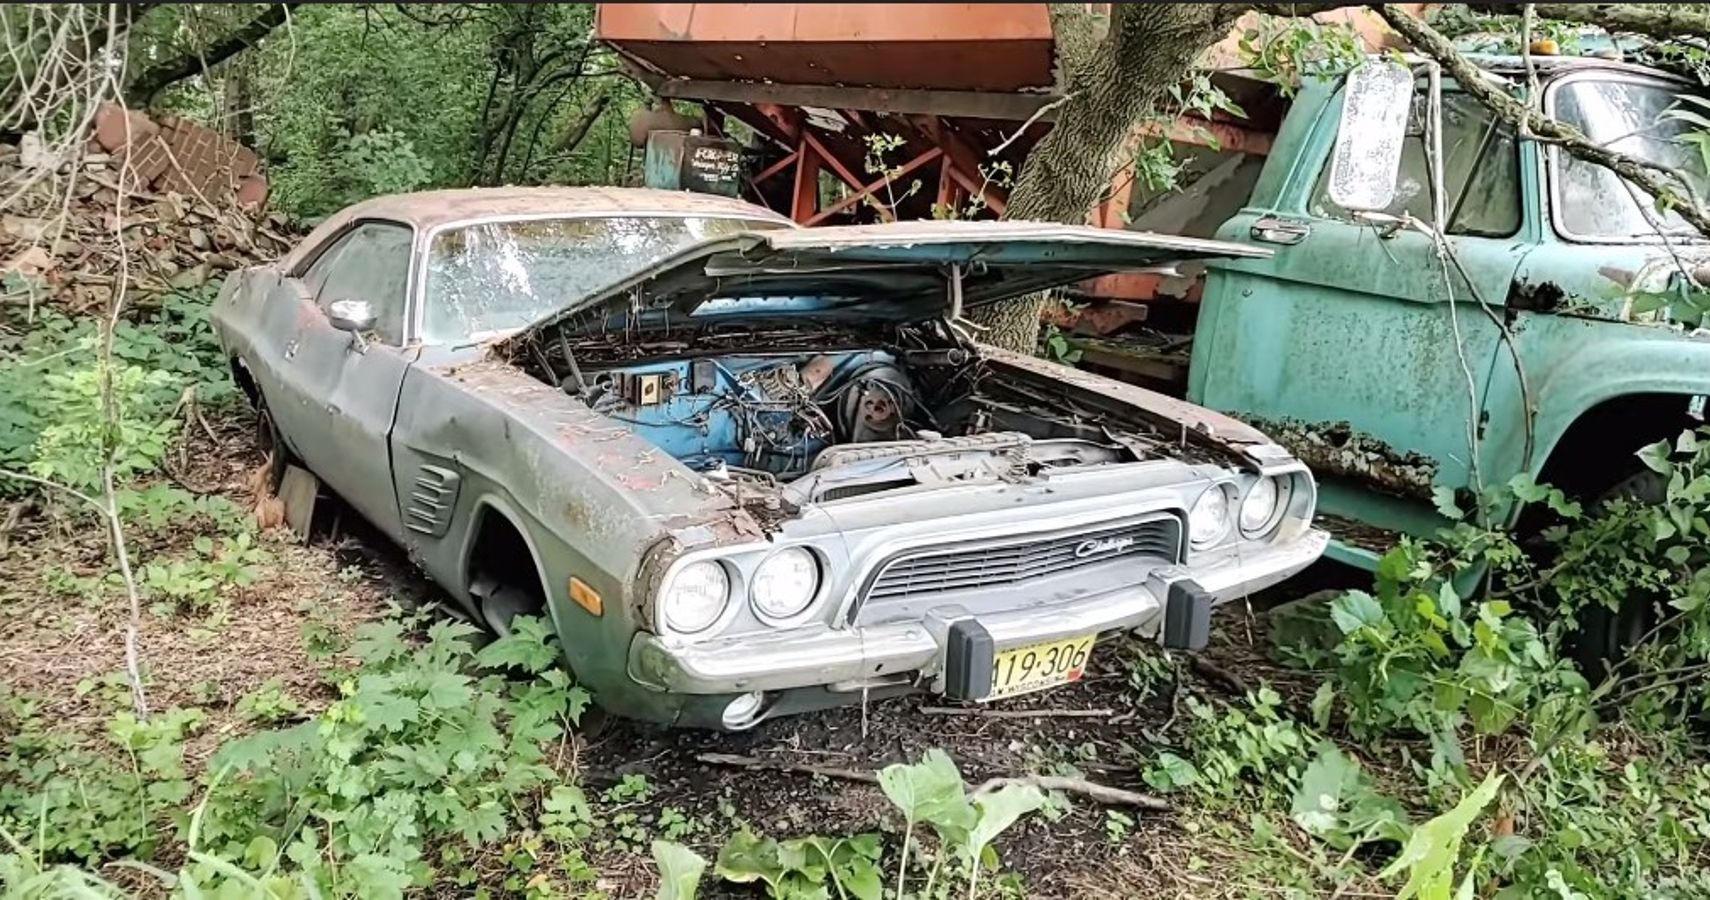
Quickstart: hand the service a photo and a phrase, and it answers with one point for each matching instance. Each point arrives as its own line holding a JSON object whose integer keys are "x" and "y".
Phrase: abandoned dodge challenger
{"x": 746, "y": 469}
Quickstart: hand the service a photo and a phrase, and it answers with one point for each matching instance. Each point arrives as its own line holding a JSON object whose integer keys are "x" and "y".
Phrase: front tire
{"x": 500, "y": 608}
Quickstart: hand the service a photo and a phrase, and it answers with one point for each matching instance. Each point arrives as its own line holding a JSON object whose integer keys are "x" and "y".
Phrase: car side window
{"x": 372, "y": 264}
{"x": 1481, "y": 171}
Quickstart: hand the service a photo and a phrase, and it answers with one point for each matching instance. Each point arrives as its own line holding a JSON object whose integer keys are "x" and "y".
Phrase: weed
{"x": 268, "y": 704}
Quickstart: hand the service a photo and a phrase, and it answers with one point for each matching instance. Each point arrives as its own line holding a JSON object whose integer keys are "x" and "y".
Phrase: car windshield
{"x": 495, "y": 276}
{"x": 1625, "y": 116}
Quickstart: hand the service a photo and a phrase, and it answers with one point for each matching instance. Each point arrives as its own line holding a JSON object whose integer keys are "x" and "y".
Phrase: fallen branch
{"x": 1663, "y": 21}
{"x": 1211, "y": 671}
{"x": 1100, "y": 793}
{"x": 1018, "y": 713}
{"x": 765, "y": 765}
{"x": 1661, "y": 182}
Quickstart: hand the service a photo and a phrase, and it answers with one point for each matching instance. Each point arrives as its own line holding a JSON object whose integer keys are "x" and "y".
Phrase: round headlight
{"x": 1260, "y": 507}
{"x": 696, "y": 597}
{"x": 785, "y": 583}
{"x": 1208, "y": 520}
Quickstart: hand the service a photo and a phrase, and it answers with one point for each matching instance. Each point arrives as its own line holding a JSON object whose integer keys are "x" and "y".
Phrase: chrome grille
{"x": 958, "y": 567}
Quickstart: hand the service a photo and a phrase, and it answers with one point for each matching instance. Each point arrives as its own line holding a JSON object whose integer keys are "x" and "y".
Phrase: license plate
{"x": 1035, "y": 667}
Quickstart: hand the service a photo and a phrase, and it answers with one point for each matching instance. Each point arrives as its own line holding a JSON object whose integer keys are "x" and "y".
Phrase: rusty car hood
{"x": 899, "y": 271}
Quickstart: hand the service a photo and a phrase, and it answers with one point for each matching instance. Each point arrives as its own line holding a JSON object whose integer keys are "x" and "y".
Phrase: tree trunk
{"x": 1148, "y": 49}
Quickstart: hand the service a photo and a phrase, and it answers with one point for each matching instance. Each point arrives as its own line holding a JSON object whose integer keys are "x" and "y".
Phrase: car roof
{"x": 428, "y": 209}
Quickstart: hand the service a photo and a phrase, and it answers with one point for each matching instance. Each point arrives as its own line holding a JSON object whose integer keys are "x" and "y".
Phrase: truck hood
{"x": 900, "y": 271}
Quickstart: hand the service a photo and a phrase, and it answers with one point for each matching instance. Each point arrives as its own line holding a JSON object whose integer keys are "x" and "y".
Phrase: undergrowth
{"x": 1449, "y": 748}
{"x": 1452, "y": 748}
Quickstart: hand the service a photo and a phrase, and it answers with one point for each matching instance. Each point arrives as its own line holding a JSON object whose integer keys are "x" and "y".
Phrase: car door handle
{"x": 1272, "y": 230}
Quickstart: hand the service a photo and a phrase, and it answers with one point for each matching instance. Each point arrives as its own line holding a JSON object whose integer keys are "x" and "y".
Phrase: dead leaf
{"x": 31, "y": 263}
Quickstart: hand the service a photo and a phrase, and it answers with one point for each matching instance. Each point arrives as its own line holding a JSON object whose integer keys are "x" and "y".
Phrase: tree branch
{"x": 1660, "y": 182}
{"x": 155, "y": 78}
{"x": 578, "y": 130}
{"x": 1657, "y": 20}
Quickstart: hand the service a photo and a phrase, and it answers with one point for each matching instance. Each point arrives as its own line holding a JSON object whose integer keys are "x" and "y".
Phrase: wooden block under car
{"x": 299, "y": 490}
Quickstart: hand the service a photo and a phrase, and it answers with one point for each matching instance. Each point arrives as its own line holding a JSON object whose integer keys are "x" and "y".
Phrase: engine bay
{"x": 772, "y": 406}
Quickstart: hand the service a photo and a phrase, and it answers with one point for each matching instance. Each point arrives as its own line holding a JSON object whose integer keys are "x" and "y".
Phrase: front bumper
{"x": 855, "y": 658}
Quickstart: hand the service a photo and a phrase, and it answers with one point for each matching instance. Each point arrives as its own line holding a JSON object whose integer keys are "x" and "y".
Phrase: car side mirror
{"x": 1367, "y": 162}
{"x": 355, "y": 316}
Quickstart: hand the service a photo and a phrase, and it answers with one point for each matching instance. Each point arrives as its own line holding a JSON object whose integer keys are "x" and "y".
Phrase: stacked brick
{"x": 176, "y": 154}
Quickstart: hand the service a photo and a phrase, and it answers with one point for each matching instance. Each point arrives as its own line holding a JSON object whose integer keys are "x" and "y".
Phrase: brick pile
{"x": 176, "y": 154}
{"x": 176, "y": 204}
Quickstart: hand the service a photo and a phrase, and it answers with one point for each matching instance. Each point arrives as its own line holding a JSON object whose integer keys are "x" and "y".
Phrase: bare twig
{"x": 1100, "y": 793}
{"x": 765, "y": 765}
{"x": 1018, "y": 713}
{"x": 1211, "y": 671}
{"x": 1022, "y": 129}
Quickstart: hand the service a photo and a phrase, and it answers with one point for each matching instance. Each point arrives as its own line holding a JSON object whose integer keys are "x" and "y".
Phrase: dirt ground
{"x": 68, "y": 652}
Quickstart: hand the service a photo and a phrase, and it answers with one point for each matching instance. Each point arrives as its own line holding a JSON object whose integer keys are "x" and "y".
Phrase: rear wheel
{"x": 1605, "y": 635}
{"x": 272, "y": 443}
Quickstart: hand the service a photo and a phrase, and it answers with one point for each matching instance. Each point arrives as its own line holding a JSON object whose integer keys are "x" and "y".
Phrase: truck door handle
{"x": 1272, "y": 230}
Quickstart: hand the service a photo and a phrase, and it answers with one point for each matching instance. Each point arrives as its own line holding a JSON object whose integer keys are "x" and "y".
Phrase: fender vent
{"x": 432, "y": 500}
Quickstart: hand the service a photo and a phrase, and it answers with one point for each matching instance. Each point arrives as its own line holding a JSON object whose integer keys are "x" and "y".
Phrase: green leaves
{"x": 679, "y": 871}
{"x": 929, "y": 791}
{"x": 1355, "y": 610}
{"x": 799, "y": 869}
{"x": 530, "y": 647}
{"x": 1337, "y": 803}
{"x": 1430, "y": 854}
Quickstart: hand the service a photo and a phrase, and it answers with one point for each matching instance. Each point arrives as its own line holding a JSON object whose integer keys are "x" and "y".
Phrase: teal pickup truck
{"x": 1397, "y": 364}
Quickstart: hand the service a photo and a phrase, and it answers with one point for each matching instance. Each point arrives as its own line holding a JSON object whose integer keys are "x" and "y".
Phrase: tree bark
{"x": 1148, "y": 49}
{"x": 1660, "y": 182}
{"x": 1658, "y": 20}
{"x": 157, "y": 77}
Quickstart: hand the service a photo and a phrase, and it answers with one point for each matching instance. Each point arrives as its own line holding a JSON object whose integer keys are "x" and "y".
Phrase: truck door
{"x": 1367, "y": 324}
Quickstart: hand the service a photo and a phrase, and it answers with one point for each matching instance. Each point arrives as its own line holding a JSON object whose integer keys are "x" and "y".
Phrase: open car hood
{"x": 899, "y": 271}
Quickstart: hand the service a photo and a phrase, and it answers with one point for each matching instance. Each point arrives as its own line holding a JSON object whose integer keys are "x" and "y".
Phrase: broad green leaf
{"x": 1323, "y": 701}
{"x": 1000, "y": 809}
{"x": 530, "y": 646}
{"x": 747, "y": 857}
{"x": 928, "y": 791}
{"x": 1355, "y": 610}
{"x": 1430, "y": 853}
{"x": 1336, "y": 802}
{"x": 1444, "y": 499}
{"x": 1656, "y": 457}
{"x": 680, "y": 871}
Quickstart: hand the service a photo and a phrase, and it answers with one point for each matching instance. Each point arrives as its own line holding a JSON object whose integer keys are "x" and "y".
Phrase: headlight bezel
{"x": 1225, "y": 490}
{"x": 1282, "y": 500}
{"x": 807, "y": 606}
{"x": 662, "y": 602}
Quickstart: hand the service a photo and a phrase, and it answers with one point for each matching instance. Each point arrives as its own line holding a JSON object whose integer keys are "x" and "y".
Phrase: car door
{"x": 1368, "y": 325}
{"x": 341, "y": 389}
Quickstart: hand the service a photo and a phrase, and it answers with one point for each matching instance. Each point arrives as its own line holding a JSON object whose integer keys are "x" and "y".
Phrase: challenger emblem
{"x": 1102, "y": 545}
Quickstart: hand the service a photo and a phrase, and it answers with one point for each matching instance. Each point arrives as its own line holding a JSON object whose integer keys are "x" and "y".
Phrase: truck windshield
{"x": 1625, "y": 116}
{"x": 495, "y": 276}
